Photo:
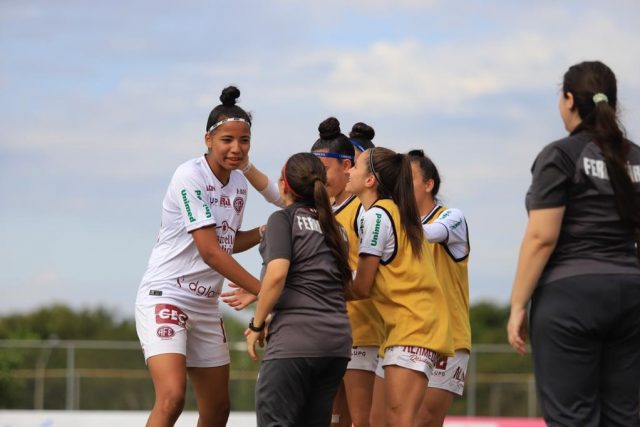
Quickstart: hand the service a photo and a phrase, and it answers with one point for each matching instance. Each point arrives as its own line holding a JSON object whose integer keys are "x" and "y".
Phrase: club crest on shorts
{"x": 165, "y": 332}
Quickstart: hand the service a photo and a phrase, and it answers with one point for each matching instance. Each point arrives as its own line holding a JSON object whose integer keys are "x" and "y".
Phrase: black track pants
{"x": 585, "y": 335}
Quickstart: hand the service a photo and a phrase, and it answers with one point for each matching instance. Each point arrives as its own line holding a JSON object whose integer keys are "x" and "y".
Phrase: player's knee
{"x": 171, "y": 403}
{"x": 425, "y": 418}
{"x": 215, "y": 414}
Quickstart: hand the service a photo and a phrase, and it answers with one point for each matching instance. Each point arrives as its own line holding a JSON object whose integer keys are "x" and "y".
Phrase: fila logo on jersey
{"x": 238, "y": 204}
{"x": 167, "y": 313}
{"x": 225, "y": 202}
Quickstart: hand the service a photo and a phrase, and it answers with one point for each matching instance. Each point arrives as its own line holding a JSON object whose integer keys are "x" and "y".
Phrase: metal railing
{"x": 487, "y": 391}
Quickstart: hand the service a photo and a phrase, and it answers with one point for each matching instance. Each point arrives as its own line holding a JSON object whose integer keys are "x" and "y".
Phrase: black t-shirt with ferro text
{"x": 571, "y": 172}
{"x": 310, "y": 317}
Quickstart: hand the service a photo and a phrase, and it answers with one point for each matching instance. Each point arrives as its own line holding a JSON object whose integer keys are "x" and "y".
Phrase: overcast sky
{"x": 101, "y": 101}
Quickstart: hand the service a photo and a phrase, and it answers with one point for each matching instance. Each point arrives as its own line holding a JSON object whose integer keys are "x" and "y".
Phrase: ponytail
{"x": 333, "y": 234}
{"x": 393, "y": 173}
{"x": 594, "y": 90}
{"x": 406, "y": 200}
{"x": 305, "y": 175}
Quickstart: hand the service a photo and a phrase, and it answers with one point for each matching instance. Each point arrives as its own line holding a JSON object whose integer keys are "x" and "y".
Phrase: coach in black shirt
{"x": 579, "y": 262}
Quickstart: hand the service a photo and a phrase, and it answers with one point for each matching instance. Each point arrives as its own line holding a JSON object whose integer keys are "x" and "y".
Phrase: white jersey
{"x": 377, "y": 236}
{"x": 450, "y": 229}
{"x": 195, "y": 199}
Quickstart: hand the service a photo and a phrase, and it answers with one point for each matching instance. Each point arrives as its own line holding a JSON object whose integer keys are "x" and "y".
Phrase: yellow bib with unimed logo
{"x": 408, "y": 296}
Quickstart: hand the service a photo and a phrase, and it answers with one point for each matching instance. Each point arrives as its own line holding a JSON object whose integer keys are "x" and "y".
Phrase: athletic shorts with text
{"x": 166, "y": 328}
{"x": 364, "y": 358}
{"x": 449, "y": 372}
{"x": 415, "y": 358}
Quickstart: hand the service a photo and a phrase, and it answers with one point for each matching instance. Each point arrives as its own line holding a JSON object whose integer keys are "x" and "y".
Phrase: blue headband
{"x": 357, "y": 145}
{"x": 332, "y": 155}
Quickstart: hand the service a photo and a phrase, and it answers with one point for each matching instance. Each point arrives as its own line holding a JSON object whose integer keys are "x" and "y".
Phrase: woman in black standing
{"x": 579, "y": 262}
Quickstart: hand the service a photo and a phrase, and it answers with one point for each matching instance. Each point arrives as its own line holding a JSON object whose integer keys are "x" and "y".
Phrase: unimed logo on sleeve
{"x": 376, "y": 230}
{"x": 187, "y": 207}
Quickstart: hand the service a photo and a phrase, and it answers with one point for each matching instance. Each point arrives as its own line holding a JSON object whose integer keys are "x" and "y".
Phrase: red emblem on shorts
{"x": 167, "y": 313}
{"x": 165, "y": 332}
{"x": 442, "y": 363}
{"x": 238, "y": 204}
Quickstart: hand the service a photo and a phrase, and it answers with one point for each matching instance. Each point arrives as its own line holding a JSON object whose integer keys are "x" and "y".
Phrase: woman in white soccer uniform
{"x": 446, "y": 231}
{"x": 177, "y": 317}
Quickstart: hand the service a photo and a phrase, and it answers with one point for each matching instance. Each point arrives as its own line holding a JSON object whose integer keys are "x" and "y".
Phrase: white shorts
{"x": 364, "y": 358}
{"x": 449, "y": 373}
{"x": 167, "y": 328}
{"x": 415, "y": 358}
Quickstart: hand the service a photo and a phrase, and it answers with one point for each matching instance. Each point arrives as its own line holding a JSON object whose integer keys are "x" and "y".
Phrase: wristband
{"x": 257, "y": 328}
{"x": 247, "y": 167}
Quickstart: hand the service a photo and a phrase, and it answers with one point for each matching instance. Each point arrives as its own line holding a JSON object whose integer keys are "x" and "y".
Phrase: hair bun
{"x": 362, "y": 131}
{"x": 229, "y": 95}
{"x": 329, "y": 129}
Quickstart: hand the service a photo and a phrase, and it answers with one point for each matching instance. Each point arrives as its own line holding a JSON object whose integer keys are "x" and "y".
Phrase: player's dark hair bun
{"x": 329, "y": 128}
{"x": 229, "y": 95}
{"x": 362, "y": 131}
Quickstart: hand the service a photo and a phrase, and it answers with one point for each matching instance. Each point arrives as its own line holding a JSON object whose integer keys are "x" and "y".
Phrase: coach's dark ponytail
{"x": 594, "y": 89}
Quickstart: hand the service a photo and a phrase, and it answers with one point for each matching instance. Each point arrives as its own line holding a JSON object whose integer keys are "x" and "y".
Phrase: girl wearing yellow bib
{"x": 353, "y": 400}
{"x": 396, "y": 269}
{"x": 448, "y": 237}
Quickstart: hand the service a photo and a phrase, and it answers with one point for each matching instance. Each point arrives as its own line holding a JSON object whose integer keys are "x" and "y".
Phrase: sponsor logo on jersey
{"x": 376, "y": 230}
{"x": 187, "y": 206}
{"x": 197, "y": 288}
{"x": 165, "y": 332}
{"x": 238, "y": 204}
{"x": 167, "y": 313}
{"x": 225, "y": 202}
{"x": 242, "y": 191}
{"x": 211, "y": 188}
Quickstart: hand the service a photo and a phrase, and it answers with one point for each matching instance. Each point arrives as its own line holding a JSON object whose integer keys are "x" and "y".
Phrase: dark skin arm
{"x": 246, "y": 240}
{"x": 217, "y": 258}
